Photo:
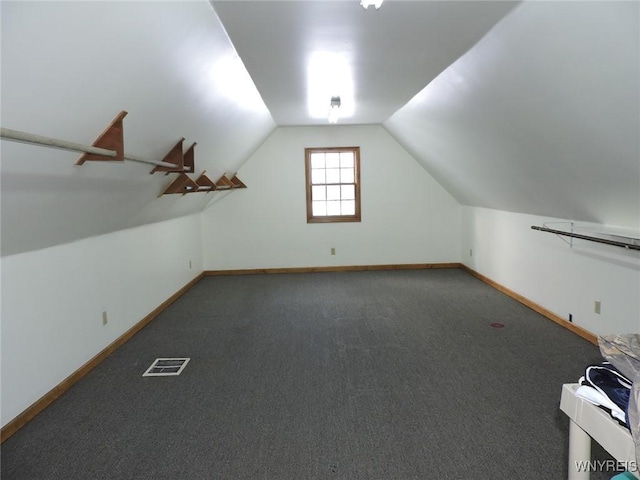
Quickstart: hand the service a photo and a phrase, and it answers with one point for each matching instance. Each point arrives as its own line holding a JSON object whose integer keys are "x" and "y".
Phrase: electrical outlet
{"x": 596, "y": 306}
{"x": 471, "y": 252}
{"x": 105, "y": 320}
{"x": 190, "y": 266}
{"x": 333, "y": 251}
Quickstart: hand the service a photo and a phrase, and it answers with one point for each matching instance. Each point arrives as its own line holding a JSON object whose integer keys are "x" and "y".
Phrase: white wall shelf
{"x": 593, "y": 234}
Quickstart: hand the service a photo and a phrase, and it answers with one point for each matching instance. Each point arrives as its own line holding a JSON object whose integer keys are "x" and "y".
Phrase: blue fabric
{"x": 624, "y": 476}
{"x": 607, "y": 379}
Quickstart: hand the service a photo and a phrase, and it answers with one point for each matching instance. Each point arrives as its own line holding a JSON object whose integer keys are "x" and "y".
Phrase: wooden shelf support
{"x": 111, "y": 139}
{"x": 205, "y": 184}
{"x": 182, "y": 185}
{"x": 237, "y": 183}
{"x": 189, "y": 159}
{"x": 174, "y": 157}
{"x": 224, "y": 183}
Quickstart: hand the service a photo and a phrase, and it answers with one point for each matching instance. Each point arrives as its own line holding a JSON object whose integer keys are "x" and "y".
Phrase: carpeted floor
{"x": 359, "y": 375}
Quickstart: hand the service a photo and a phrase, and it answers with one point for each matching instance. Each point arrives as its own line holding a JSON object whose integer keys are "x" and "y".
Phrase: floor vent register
{"x": 166, "y": 367}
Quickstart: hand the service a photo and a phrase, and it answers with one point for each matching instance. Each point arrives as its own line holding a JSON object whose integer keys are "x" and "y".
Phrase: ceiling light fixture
{"x": 334, "y": 110}
{"x": 367, "y": 3}
{"x": 329, "y": 75}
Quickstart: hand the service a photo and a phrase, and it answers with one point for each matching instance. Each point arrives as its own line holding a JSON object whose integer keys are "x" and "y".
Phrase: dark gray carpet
{"x": 360, "y": 375}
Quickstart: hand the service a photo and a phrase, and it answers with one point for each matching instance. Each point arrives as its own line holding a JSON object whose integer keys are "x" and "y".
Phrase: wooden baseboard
{"x": 347, "y": 268}
{"x": 586, "y": 334}
{"x": 17, "y": 423}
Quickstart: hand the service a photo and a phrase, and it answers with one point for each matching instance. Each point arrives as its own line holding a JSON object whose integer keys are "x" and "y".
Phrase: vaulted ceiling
{"x": 530, "y": 107}
{"x": 390, "y": 54}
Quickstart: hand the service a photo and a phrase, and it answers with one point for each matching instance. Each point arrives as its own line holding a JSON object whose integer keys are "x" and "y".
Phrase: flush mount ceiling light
{"x": 334, "y": 110}
{"x": 367, "y": 3}
{"x": 329, "y": 75}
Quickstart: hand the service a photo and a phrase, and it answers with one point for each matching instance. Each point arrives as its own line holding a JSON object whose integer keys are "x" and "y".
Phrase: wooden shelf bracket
{"x": 174, "y": 157}
{"x": 237, "y": 183}
{"x": 189, "y": 161}
{"x": 205, "y": 184}
{"x": 223, "y": 183}
{"x": 182, "y": 185}
{"x": 111, "y": 139}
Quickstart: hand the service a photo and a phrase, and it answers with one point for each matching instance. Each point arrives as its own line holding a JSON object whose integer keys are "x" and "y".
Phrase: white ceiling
{"x": 531, "y": 107}
{"x": 393, "y": 52}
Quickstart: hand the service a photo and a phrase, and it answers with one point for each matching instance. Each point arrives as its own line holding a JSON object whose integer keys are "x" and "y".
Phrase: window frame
{"x": 356, "y": 217}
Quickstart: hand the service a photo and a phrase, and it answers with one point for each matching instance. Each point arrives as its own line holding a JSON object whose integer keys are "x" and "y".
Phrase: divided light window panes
{"x": 333, "y": 184}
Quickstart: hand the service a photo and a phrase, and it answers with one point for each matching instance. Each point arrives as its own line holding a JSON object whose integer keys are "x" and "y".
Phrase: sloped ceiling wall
{"x": 542, "y": 116}
{"x": 68, "y": 68}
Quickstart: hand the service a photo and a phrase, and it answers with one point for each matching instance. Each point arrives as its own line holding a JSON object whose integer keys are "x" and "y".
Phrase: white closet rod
{"x": 629, "y": 246}
{"x": 17, "y": 136}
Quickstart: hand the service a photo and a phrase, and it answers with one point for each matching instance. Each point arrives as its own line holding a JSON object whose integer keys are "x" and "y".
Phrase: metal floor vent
{"x": 165, "y": 367}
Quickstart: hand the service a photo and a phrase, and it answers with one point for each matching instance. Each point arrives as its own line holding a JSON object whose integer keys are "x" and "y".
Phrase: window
{"x": 333, "y": 184}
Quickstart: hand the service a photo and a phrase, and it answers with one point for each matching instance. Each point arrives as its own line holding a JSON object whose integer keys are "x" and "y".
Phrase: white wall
{"x": 546, "y": 270}
{"x": 53, "y": 299}
{"x": 407, "y": 217}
